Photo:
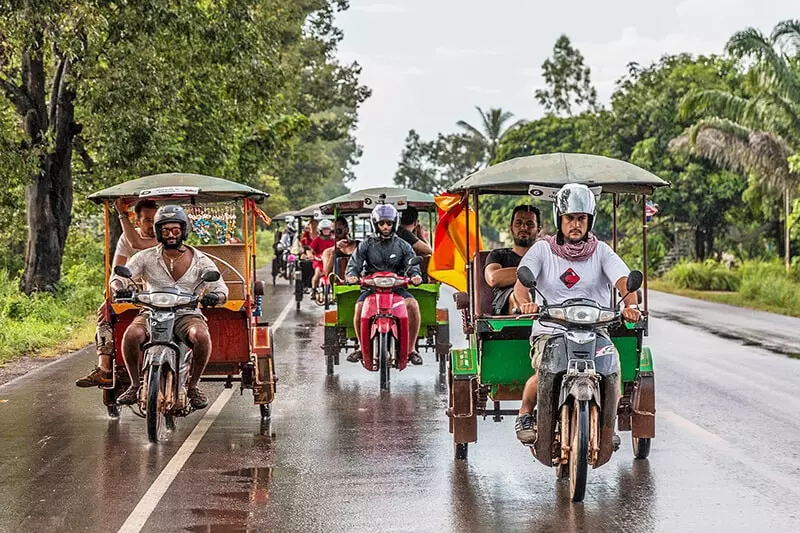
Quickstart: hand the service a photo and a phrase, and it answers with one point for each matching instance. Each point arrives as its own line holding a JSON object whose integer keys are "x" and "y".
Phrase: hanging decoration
{"x": 213, "y": 224}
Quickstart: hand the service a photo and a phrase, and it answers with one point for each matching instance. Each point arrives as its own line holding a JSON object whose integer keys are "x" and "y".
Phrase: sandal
{"x": 415, "y": 358}
{"x": 355, "y": 357}
{"x": 197, "y": 399}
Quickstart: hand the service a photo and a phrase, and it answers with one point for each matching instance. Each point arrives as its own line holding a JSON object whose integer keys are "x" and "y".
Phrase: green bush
{"x": 770, "y": 284}
{"x": 31, "y": 323}
{"x": 706, "y": 276}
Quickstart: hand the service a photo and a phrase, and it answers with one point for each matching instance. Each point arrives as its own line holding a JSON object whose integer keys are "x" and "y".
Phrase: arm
{"x": 415, "y": 272}
{"x": 533, "y": 260}
{"x": 136, "y": 267}
{"x": 122, "y": 252}
{"x": 219, "y": 287}
{"x": 128, "y": 230}
{"x": 631, "y": 311}
{"x": 617, "y": 271}
{"x": 356, "y": 263}
{"x": 422, "y": 248}
{"x": 497, "y": 276}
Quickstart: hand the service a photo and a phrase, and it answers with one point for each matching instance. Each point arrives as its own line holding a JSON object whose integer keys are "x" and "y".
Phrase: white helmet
{"x": 384, "y": 212}
{"x": 325, "y": 224}
{"x": 574, "y": 198}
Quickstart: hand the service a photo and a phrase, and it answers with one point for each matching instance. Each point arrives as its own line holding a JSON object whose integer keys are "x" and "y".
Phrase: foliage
{"x": 491, "y": 132}
{"x": 568, "y": 80}
{"x": 706, "y": 276}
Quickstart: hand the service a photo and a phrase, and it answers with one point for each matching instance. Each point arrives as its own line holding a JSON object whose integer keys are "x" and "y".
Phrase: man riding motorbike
{"x": 318, "y": 247}
{"x": 171, "y": 264}
{"x": 573, "y": 264}
{"x": 385, "y": 251}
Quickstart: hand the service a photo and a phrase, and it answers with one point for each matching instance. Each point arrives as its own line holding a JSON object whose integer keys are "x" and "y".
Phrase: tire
{"x": 562, "y": 471}
{"x": 461, "y": 451}
{"x": 579, "y": 450}
{"x": 297, "y": 307}
{"x": 328, "y": 362}
{"x": 290, "y": 273}
{"x": 326, "y": 295}
{"x": 274, "y": 271}
{"x": 169, "y": 421}
{"x": 110, "y": 400}
{"x": 113, "y": 411}
{"x": 442, "y": 337}
{"x": 382, "y": 342}
{"x": 156, "y": 422}
{"x": 641, "y": 447}
{"x": 266, "y": 411}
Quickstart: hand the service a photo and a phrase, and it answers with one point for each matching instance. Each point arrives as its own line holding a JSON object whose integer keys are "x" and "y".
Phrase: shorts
{"x": 316, "y": 265}
{"x": 538, "y": 345}
{"x": 183, "y": 324}
{"x": 500, "y": 304}
{"x": 402, "y": 292}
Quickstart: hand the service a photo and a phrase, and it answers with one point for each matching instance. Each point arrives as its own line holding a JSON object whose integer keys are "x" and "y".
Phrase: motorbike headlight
{"x": 606, "y": 316}
{"x": 370, "y": 282}
{"x": 143, "y": 297}
{"x": 555, "y": 312}
{"x": 386, "y": 282}
{"x": 163, "y": 299}
{"x": 582, "y": 314}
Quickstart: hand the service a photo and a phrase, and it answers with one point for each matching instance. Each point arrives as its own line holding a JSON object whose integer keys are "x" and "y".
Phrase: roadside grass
{"x": 264, "y": 251}
{"x": 764, "y": 286}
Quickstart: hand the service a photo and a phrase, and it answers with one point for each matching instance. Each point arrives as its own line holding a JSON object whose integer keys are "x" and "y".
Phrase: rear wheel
{"x": 156, "y": 423}
{"x": 442, "y": 346}
{"x": 110, "y": 399}
{"x": 641, "y": 447}
{"x": 266, "y": 410}
{"x": 326, "y": 294}
{"x": 579, "y": 450}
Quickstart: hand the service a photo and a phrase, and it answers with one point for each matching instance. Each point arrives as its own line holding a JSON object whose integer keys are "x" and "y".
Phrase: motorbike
{"x": 285, "y": 262}
{"x": 384, "y": 324}
{"x": 579, "y": 385}
{"x": 167, "y": 361}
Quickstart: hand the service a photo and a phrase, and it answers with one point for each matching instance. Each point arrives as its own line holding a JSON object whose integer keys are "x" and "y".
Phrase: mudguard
{"x": 384, "y": 312}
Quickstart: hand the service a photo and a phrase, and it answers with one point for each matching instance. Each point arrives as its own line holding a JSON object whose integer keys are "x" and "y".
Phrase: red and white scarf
{"x": 579, "y": 251}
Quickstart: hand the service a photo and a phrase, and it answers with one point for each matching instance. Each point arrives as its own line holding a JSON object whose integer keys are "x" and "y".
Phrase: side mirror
{"x": 123, "y": 271}
{"x": 258, "y": 288}
{"x": 210, "y": 275}
{"x": 635, "y": 279}
{"x": 525, "y": 276}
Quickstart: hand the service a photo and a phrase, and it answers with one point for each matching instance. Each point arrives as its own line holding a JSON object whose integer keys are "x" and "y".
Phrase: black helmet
{"x": 384, "y": 212}
{"x": 171, "y": 213}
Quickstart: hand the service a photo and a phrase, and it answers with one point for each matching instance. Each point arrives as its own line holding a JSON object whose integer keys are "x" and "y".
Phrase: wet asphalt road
{"x": 340, "y": 456}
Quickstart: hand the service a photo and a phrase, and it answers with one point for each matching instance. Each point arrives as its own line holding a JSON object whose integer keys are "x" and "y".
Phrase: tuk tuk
{"x": 284, "y": 262}
{"x": 497, "y": 363}
{"x": 223, "y": 216}
{"x": 304, "y": 273}
{"x": 340, "y": 333}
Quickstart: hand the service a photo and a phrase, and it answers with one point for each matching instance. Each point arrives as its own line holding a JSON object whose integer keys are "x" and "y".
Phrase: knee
{"x": 198, "y": 337}
{"x": 412, "y": 305}
{"x": 134, "y": 335}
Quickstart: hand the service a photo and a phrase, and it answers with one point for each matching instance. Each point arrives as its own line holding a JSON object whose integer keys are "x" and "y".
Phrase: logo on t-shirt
{"x": 570, "y": 278}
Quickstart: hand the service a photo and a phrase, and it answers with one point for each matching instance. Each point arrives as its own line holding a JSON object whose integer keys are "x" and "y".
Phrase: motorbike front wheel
{"x": 156, "y": 421}
{"x": 579, "y": 450}
{"x": 380, "y": 348}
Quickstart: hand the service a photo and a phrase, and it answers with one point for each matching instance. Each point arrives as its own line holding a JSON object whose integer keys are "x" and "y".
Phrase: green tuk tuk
{"x": 497, "y": 363}
{"x": 339, "y": 330}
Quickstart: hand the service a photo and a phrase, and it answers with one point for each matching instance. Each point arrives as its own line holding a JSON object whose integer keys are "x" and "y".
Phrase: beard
{"x": 525, "y": 242}
{"x": 174, "y": 245}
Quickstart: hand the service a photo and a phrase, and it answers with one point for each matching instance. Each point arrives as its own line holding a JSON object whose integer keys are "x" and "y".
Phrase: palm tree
{"x": 758, "y": 134}
{"x": 492, "y": 130}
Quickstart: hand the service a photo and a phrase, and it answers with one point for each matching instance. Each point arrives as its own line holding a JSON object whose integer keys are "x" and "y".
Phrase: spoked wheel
{"x": 579, "y": 450}
{"x": 382, "y": 344}
{"x": 641, "y": 447}
{"x": 156, "y": 423}
{"x": 266, "y": 410}
{"x": 461, "y": 450}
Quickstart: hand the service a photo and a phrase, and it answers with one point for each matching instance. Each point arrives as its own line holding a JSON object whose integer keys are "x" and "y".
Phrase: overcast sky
{"x": 429, "y": 62}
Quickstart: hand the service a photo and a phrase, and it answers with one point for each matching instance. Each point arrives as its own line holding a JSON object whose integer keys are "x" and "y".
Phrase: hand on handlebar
{"x": 210, "y": 299}
{"x": 352, "y": 280}
{"x": 416, "y": 280}
{"x": 528, "y": 308}
{"x": 631, "y": 314}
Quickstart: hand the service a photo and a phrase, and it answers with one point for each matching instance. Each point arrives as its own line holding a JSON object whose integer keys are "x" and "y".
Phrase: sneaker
{"x": 616, "y": 441}
{"x": 354, "y": 357}
{"x": 96, "y": 378}
{"x": 526, "y": 433}
{"x": 197, "y": 399}
{"x": 129, "y": 397}
{"x": 415, "y": 358}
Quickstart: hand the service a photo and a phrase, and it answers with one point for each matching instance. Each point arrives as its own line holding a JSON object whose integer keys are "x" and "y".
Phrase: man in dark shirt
{"x": 411, "y": 232}
{"x": 501, "y": 265}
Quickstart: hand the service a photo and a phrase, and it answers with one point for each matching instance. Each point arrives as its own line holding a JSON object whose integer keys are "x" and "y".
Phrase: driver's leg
{"x": 132, "y": 341}
{"x": 526, "y": 421}
{"x": 327, "y": 261}
{"x": 413, "y": 329}
{"x": 194, "y": 331}
{"x": 104, "y": 344}
{"x": 355, "y": 357}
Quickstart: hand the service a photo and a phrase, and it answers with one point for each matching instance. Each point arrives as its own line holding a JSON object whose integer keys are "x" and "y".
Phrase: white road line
{"x": 718, "y": 443}
{"x": 141, "y": 513}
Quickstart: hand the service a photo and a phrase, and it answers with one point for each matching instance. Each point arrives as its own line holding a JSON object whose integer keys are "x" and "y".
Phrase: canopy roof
{"x": 353, "y": 202}
{"x": 209, "y": 188}
{"x": 555, "y": 170}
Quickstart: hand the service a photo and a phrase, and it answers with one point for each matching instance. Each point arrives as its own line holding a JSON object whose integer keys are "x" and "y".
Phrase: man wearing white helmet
{"x": 572, "y": 264}
{"x": 385, "y": 251}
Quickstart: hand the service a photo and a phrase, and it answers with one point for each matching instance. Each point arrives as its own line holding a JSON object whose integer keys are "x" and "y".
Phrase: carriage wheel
{"x": 641, "y": 447}
{"x": 462, "y": 448}
{"x": 266, "y": 410}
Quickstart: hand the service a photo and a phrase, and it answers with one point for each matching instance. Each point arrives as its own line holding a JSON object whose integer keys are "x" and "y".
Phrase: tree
{"x": 491, "y": 131}
{"x": 758, "y": 132}
{"x": 568, "y": 80}
{"x": 435, "y": 165}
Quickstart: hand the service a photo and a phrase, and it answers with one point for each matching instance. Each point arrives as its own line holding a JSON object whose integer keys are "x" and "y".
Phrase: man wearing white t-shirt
{"x": 132, "y": 240}
{"x": 573, "y": 264}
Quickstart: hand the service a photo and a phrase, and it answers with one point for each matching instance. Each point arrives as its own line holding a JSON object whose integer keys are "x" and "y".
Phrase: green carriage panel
{"x": 505, "y": 351}
{"x": 426, "y": 295}
{"x": 628, "y": 348}
{"x": 464, "y": 362}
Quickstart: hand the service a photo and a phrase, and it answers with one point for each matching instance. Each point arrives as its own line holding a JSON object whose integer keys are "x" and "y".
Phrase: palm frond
{"x": 469, "y": 128}
{"x": 520, "y": 122}
{"x": 712, "y": 102}
{"x": 787, "y": 35}
{"x": 749, "y": 42}
{"x": 771, "y": 67}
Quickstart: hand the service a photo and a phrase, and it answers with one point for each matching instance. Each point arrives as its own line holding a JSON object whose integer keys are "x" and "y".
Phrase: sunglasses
{"x": 385, "y": 223}
{"x": 175, "y": 232}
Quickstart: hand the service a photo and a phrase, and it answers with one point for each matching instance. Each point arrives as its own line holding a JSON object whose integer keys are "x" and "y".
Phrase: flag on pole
{"x": 259, "y": 213}
{"x": 449, "y": 260}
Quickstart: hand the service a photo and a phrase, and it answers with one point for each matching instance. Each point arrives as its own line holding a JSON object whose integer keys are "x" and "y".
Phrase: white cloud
{"x": 450, "y": 52}
{"x": 477, "y": 89}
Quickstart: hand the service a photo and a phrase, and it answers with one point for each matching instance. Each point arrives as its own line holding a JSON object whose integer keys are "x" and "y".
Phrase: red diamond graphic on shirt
{"x": 570, "y": 278}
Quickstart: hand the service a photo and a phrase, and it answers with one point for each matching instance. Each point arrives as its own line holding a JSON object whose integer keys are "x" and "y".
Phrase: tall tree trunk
{"x": 787, "y": 243}
{"x": 49, "y": 195}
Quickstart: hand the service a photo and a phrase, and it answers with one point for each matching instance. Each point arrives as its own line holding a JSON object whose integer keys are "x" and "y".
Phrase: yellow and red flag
{"x": 449, "y": 261}
{"x": 259, "y": 213}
